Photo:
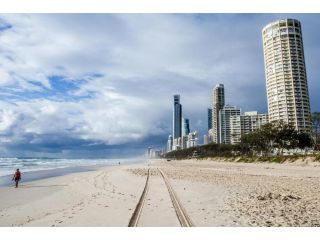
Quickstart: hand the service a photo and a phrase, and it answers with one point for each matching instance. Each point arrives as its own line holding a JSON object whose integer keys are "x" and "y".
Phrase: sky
{"x": 102, "y": 85}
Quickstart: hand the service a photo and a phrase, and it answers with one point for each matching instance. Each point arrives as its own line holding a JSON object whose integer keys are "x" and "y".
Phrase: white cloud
{"x": 141, "y": 61}
{"x": 6, "y": 119}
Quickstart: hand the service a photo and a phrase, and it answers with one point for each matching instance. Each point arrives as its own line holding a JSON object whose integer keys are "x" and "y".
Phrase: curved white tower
{"x": 285, "y": 70}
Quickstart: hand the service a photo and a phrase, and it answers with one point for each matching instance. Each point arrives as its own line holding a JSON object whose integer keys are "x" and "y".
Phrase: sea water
{"x": 39, "y": 168}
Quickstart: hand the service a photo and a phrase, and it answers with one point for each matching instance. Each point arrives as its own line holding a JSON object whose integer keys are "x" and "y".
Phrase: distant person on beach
{"x": 17, "y": 177}
{"x": 119, "y": 163}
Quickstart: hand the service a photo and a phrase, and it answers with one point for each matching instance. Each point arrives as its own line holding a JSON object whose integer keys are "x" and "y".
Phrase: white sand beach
{"x": 212, "y": 193}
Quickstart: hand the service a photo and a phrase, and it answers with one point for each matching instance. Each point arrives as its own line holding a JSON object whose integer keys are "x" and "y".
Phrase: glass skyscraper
{"x": 209, "y": 118}
{"x": 177, "y": 117}
{"x": 185, "y": 127}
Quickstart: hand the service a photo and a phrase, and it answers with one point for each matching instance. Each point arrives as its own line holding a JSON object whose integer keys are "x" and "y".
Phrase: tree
{"x": 304, "y": 140}
{"x": 286, "y": 137}
{"x": 260, "y": 140}
{"x": 277, "y": 134}
{"x": 268, "y": 134}
{"x": 316, "y": 129}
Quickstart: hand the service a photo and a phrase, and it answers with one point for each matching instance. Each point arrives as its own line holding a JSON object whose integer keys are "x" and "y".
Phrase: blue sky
{"x": 101, "y": 84}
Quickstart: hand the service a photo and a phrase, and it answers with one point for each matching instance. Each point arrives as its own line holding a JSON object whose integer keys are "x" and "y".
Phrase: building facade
{"x": 185, "y": 141}
{"x": 285, "y": 70}
{"x": 206, "y": 139}
{"x": 209, "y": 118}
{"x": 185, "y": 127}
{"x": 177, "y": 117}
{"x": 243, "y": 124}
{"x": 177, "y": 144}
{"x": 169, "y": 143}
{"x": 224, "y": 119}
{"x": 218, "y": 102}
{"x": 192, "y": 139}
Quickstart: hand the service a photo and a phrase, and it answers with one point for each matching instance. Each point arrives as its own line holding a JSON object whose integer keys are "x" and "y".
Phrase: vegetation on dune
{"x": 266, "y": 144}
{"x": 208, "y": 150}
{"x": 275, "y": 135}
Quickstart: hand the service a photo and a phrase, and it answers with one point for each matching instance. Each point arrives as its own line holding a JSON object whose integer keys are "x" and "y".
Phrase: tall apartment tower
{"x": 177, "y": 117}
{"x": 224, "y": 120}
{"x": 285, "y": 70}
{"x": 244, "y": 124}
{"x": 218, "y": 102}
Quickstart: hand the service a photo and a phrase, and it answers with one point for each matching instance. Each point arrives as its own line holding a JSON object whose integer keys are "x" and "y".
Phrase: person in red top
{"x": 17, "y": 177}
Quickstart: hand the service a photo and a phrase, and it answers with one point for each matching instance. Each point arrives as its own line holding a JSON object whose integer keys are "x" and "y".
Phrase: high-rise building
{"x": 218, "y": 102}
{"x": 149, "y": 153}
{"x": 192, "y": 139}
{"x": 210, "y": 135}
{"x": 209, "y": 118}
{"x": 285, "y": 70}
{"x": 185, "y": 141}
{"x": 170, "y": 143}
{"x": 205, "y": 139}
{"x": 240, "y": 125}
{"x": 177, "y": 116}
{"x": 185, "y": 127}
{"x": 224, "y": 119}
{"x": 177, "y": 143}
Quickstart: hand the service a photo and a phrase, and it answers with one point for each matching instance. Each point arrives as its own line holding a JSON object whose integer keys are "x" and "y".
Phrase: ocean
{"x": 39, "y": 168}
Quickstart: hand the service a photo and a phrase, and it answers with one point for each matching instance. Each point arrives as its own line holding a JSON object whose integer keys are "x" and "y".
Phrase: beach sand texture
{"x": 213, "y": 194}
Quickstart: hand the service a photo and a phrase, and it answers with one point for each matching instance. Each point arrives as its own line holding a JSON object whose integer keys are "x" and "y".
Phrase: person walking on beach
{"x": 17, "y": 177}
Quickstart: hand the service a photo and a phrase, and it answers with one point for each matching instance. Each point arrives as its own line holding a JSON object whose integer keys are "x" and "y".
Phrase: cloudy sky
{"x": 101, "y": 84}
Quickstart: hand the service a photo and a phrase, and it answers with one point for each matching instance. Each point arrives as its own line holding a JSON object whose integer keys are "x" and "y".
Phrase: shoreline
{"x": 75, "y": 199}
{"x": 35, "y": 175}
